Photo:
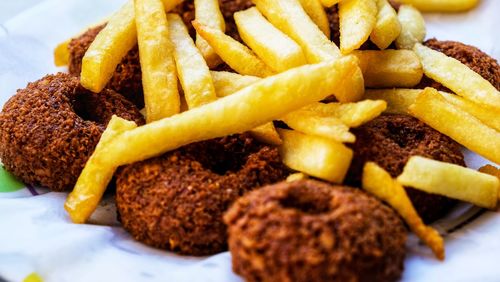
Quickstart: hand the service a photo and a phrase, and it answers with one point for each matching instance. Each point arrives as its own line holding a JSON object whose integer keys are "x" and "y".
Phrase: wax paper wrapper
{"x": 36, "y": 234}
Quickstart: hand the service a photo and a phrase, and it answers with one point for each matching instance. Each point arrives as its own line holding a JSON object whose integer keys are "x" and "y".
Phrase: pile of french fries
{"x": 285, "y": 66}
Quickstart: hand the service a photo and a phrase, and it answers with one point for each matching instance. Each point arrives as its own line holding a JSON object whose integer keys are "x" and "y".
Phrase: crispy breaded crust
{"x": 49, "y": 129}
{"x": 389, "y": 141}
{"x": 311, "y": 231}
{"x": 176, "y": 201}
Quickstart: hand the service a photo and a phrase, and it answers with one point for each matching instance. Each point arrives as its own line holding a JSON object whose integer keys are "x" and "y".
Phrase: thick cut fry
{"x": 351, "y": 114}
{"x": 207, "y": 12}
{"x": 239, "y": 112}
{"x": 357, "y": 19}
{"x": 432, "y": 108}
{"x": 390, "y": 68}
{"x": 227, "y": 83}
{"x": 317, "y": 13}
{"x": 238, "y": 56}
{"x": 193, "y": 71}
{"x": 323, "y": 126}
{"x": 290, "y": 17}
{"x": 487, "y": 115}
{"x": 315, "y": 156}
{"x": 450, "y": 180}
{"x": 329, "y": 3}
{"x": 111, "y": 45}
{"x": 398, "y": 100}
{"x": 267, "y": 134}
{"x": 387, "y": 28}
{"x": 61, "y": 54}
{"x": 457, "y": 77}
{"x": 412, "y": 27}
{"x": 442, "y": 5}
{"x": 93, "y": 180}
{"x": 379, "y": 182}
{"x": 159, "y": 74}
{"x": 275, "y": 48}
{"x": 108, "y": 49}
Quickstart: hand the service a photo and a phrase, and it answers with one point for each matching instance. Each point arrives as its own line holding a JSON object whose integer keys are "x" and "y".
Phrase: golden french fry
{"x": 61, "y": 54}
{"x": 111, "y": 45}
{"x": 412, "y": 27}
{"x": 442, "y": 6}
{"x": 487, "y": 115}
{"x": 290, "y": 17}
{"x": 323, "y": 126}
{"x": 432, "y": 108}
{"x": 398, "y": 100}
{"x": 275, "y": 48}
{"x": 93, "y": 180}
{"x": 238, "y": 56}
{"x": 390, "y": 68}
{"x": 387, "y": 28}
{"x": 193, "y": 71}
{"x": 239, "y": 112}
{"x": 315, "y": 156}
{"x": 379, "y": 182}
{"x": 159, "y": 74}
{"x": 317, "y": 13}
{"x": 207, "y": 12}
{"x": 227, "y": 83}
{"x": 267, "y": 134}
{"x": 357, "y": 19}
{"x": 350, "y": 114}
{"x": 296, "y": 176}
{"x": 457, "y": 77}
{"x": 491, "y": 170}
{"x": 329, "y": 3}
{"x": 450, "y": 180}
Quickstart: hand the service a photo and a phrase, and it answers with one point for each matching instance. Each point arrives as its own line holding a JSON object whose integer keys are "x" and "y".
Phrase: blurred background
{"x": 10, "y": 8}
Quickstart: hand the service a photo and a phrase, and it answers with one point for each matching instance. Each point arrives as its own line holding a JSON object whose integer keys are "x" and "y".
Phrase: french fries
{"x": 227, "y": 83}
{"x": 267, "y": 134}
{"x": 488, "y": 116}
{"x": 412, "y": 27}
{"x": 350, "y": 114}
{"x": 432, "y": 108}
{"x": 111, "y": 45}
{"x": 92, "y": 182}
{"x": 239, "y": 112}
{"x": 329, "y": 3}
{"x": 108, "y": 49}
{"x": 379, "y": 182}
{"x": 387, "y": 28}
{"x": 61, "y": 54}
{"x": 208, "y": 13}
{"x": 159, "y": 75}
{"x": 236, "y": 55}
{"x": 390, "y": 68}
{"x": 323, "y": 126}
{"x": 275, "y": 48}
{"x": 315, "y": 156}
{"x": 296, "y": 176}
{"x": 291, "y": 18}
{"x": 357, "y": 19}
{"x": 317, "y": 13}
{"x": 193, "y": 71}
{"x": 457, "y": 77}
{"x": 442, "y": 6}
{"x": 398, "y": 100}
{"x": 450, "y": 180}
